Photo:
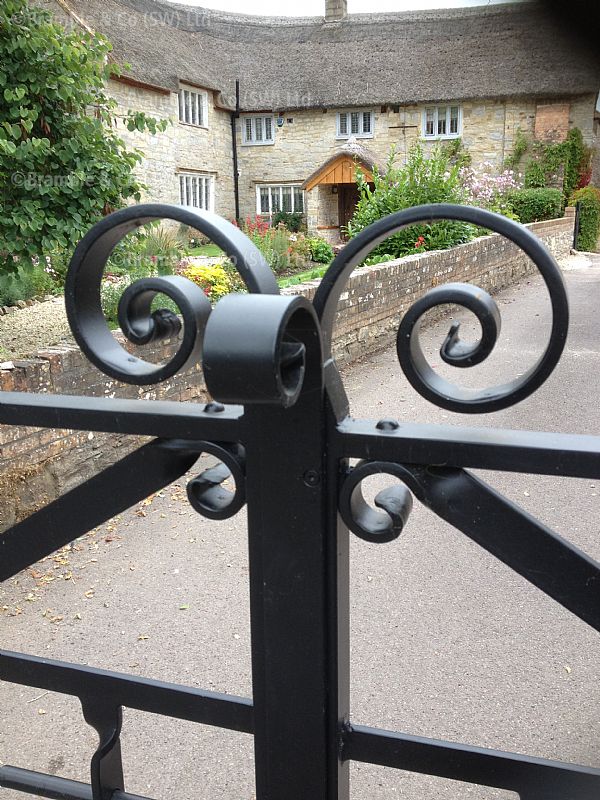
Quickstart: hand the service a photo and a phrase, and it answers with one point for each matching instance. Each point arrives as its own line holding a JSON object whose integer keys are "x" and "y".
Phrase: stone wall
{"x": 180, "y": 148}
{"x": 36, "y": 465}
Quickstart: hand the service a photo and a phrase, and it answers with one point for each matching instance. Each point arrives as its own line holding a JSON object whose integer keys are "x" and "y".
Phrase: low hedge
{"x": 533, "y": 205}
{"x": 589, "y": 217}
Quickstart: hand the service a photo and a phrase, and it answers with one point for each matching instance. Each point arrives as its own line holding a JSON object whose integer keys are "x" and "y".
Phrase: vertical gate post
{"x": 299, "y": 612}
{"x": 299, "y": 608}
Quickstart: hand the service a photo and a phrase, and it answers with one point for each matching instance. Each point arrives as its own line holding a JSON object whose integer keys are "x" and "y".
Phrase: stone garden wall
{"x": 36, "y": 465}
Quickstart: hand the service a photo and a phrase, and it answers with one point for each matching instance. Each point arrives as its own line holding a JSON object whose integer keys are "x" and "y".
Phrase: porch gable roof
{"x": 341, "y": 167}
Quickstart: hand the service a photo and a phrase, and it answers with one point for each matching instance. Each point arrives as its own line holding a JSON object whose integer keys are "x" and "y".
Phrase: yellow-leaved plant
{"x": 211, "y": 278}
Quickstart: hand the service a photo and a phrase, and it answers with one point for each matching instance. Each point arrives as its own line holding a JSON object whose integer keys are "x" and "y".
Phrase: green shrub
{"x": 576, "y": 161}
{"x": 547, "y": 158}
{"x": 372, "y": 261}
{"x": 293, "y": 220}
{"x": 589, "y": 217}
{"x": 25, "y": 284}
{"x": 532, "y": 205}
{"x": 421, "y": 180}
{"x": 535, "y": 177}
{"x": 63, "y": 163}
{"x": 320, "y": 250}
{"x": 165, "y": 249}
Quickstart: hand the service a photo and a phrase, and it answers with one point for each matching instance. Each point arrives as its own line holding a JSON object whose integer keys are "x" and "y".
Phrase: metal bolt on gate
{"x": 279, "y": 425}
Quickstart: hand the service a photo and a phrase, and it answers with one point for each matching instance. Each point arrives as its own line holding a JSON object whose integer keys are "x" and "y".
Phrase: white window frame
{"x": 199, "y": 187}
{"x": 436, "y": 118}
{"x": 279, "y": 187}
{"x": 254, "y": 129}
{"x": 193, "y": 107}
{"x": 344, "y": 123}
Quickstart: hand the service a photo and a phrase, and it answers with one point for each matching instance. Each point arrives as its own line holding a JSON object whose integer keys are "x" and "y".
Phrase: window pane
{"x": 182, "y": 190}
{"x": 201, "y": 114}
{"x": 206, "y": 194}
{"x": 343, "y": 124}
{"x": 366, "y": 122}
{"x": 268, "y": 129}
{"x": 275, "y": 198}
{"x": 354, "y": 119}
{"x": 298, "y": 199}
{"x": 429, "y": 119}
{"x": 441, "y": 123}
{"x": 258, "y": 129}
{"x": 264, "y": 199}
{"x": 286, "y": 198}
{"x": 454, "y": 119}
{"x": 188, "y": 106}
{"x": 181, "y": 106}
{"x": 194, "y": 119}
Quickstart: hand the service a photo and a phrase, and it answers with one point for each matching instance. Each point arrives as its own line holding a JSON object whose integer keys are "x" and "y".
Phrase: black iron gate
{"x": 279, "y": 425}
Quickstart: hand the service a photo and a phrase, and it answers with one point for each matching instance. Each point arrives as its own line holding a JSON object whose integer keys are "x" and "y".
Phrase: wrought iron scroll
{"x": 279, "y": 427}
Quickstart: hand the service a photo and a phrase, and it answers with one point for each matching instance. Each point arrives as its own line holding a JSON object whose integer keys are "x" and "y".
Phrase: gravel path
{"x": 29, "y": 329}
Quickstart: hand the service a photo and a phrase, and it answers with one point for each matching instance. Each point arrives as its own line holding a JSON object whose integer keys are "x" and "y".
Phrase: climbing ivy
{"x": 547, "y": 158}
{"x": 63, "y": 164}
{"x": 520, "y": 146}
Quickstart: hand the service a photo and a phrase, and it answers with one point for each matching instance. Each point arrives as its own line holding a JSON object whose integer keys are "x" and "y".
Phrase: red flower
{"x": 420, "y": 241}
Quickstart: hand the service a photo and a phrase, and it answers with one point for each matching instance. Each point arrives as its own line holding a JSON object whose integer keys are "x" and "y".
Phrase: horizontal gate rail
{"x": 532, "y": 778}
{"x": 539, "y": 453}
{"x": 143, "y": 694}
{"x": 165, "y": 418}
{"x": 26, "y": 780}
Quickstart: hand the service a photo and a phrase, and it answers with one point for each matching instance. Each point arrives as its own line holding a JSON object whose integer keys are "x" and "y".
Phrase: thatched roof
{"x": 366, "y": 59}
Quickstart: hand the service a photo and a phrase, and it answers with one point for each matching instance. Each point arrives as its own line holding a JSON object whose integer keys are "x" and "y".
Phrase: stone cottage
{"x": 274, "y": 113}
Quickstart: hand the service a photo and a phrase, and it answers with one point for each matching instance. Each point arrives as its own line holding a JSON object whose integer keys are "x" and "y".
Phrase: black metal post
{"x": 576, "y": 226}
{"x": 298, "y": 607}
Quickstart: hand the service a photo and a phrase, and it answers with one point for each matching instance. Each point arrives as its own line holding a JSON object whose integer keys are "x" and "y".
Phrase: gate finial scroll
{"x": 82, "y": 297}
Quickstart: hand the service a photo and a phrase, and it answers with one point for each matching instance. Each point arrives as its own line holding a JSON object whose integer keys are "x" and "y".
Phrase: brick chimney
{"x": 335, "y": 10}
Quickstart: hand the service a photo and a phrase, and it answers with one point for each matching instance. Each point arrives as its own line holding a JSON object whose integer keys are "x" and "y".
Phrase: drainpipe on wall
{"x": 236, "y": 178}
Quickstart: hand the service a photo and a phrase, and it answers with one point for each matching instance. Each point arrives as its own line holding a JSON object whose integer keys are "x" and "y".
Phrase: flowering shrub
{"x": 421, "y": 180}
{"x": 488, "y": 190}
{"x": 283, "y": 251}
{"x": 211, "y": 278}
